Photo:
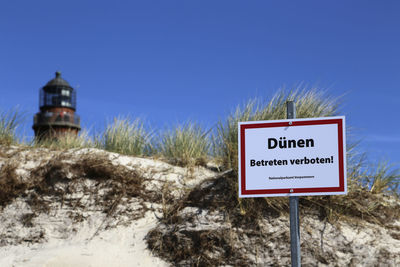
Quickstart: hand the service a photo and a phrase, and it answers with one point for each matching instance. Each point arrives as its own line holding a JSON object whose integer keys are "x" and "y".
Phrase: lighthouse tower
{"x": 57, "y": 102}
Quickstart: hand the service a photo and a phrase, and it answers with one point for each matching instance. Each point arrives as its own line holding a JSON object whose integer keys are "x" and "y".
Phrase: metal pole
{"x": 294, "y": 207}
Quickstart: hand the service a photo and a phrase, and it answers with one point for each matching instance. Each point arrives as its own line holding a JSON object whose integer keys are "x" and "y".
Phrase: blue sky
{"x": 174, "y": 61}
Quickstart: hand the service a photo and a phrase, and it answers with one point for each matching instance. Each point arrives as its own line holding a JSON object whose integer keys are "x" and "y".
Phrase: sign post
{"x": 294, "y": 208}
{"x": 292, "y": 158}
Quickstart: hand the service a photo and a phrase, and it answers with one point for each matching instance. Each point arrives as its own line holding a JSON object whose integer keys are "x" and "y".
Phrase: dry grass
{"x": 358, "y": 205}
{"x": 195, "y": 247}
{"x": 61, "y": 178}
{"x": 10, "y": 186}
{"x": 177, "y": 241}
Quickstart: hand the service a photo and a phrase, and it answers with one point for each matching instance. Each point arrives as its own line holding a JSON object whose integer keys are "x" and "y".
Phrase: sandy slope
{"x": 53, "y": 238}
{"x": 72, "y": 217}
{"x": 121, "y": 246}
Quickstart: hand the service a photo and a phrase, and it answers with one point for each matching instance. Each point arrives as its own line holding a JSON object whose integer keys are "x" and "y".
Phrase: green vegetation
{"x": 384, "y": 178}
{"x": 9, "y": 121}
{"x": 124, "y": 136}
{"x": 67, "y": 141}
{"x": 309, "y": 103}
{"x": 186, "y": 144}
{"x": 190, "y": 144}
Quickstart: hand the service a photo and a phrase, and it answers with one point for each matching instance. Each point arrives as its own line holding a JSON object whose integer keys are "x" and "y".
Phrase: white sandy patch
{"x": 120, "y": 246}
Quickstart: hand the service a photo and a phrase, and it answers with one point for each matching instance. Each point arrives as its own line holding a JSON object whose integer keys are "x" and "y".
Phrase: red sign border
{"x": 339, "y": 189}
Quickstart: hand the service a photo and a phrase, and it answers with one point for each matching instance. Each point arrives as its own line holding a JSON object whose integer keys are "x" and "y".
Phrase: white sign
{"x": 293, "y": 157}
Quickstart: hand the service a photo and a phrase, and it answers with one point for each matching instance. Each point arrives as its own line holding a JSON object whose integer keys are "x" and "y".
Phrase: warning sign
{"x": 293, "y": 157}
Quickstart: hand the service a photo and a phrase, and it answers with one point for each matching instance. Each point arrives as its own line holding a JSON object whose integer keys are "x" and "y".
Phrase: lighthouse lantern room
{"x": 57, "y": 102}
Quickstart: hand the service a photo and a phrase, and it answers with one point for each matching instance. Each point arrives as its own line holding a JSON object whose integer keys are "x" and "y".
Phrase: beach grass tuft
{"x": 125, "y": 136}
{"x": 9, "y": 121}
{"x": 66, "y": 141}
{"x": 186, "y": 144}
{"x": 384, "y": 178}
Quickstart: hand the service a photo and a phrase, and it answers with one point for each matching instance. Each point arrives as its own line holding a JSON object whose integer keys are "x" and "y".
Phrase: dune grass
{"x": 66, "y": 141}
{"x": 309, "y": 103}
{"x": 376, "y": 178}
{"x": 190, "y": 144}
{"x": 125, "y": 136}
{"x": 184, "y": 145}
{"x": 384, "y": 178}
{"x": 9, "y": 121}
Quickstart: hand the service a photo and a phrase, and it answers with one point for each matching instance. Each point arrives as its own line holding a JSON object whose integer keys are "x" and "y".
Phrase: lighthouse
{"x": 57, "y": 103}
